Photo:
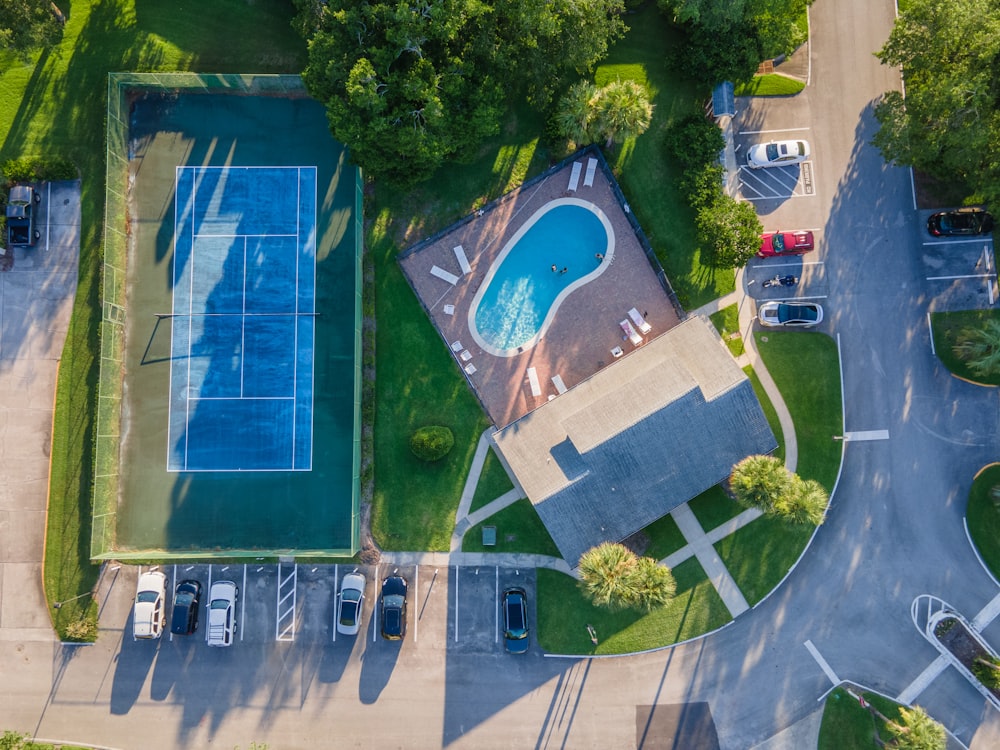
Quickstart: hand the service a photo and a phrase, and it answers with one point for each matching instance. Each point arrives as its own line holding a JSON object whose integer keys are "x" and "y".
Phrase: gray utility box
{"x": 21, "y": 204}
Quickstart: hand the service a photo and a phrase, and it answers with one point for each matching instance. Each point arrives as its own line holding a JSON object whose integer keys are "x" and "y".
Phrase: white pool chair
{"x": 536, "y": 388}
{"x": 629, "y": 331}
{"x": 588, "y": 181}
{"x": 640, "y": 322}
{"x": 444, "y": 275}
{"x": 574, "y": 177}
{"x": 557, "y": 381}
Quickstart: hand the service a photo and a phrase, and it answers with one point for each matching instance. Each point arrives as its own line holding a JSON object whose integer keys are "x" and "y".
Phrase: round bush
{"x": 432, "y": 443}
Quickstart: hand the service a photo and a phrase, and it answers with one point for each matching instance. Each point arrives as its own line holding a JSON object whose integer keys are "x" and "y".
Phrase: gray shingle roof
{"x": 637, "y": 439}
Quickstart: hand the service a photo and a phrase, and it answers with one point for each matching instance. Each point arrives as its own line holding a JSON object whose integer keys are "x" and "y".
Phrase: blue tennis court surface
{"x": 244, "y": 307}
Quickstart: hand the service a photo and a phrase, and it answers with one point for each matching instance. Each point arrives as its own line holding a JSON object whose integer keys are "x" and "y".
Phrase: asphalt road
{"x": 894, "y": 532}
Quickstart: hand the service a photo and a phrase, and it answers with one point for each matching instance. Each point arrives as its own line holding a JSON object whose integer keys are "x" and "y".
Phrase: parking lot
{"x": 961, "y": 272}
{"x": 457, "y": 608}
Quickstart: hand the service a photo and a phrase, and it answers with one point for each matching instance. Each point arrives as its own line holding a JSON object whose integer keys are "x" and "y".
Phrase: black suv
{"x": 184, "y": 619}
{"x": 393, "y": 608}
{"x": 515, "y": 620}
{"x": 964, "y": 221}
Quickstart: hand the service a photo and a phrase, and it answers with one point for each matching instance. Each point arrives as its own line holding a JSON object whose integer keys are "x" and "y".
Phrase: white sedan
{"x": 222, "y": 613}
{"x": 777, "y": 154}
{"x": 349, "y": 604}
{"x": 803, "y": 315}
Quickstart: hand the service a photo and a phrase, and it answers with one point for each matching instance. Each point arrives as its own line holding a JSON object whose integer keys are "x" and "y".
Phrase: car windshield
{"x": 147, "y": 597}
{"x": 394, "y": 600}
{"x": 220, "y": 604}
{"x": 183, "y": 599}
{"x": 778, "y": 243}
{"x": 958, "y": 221}
{"x": 772, "y": 151}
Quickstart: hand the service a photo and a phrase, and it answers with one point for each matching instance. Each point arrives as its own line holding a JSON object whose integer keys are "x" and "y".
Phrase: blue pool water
{"x": 521, "y": 292}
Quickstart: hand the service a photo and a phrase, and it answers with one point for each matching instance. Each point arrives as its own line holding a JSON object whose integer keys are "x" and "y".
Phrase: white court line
{"x": 827, "y": 670}
{"x": 925, "y": 678}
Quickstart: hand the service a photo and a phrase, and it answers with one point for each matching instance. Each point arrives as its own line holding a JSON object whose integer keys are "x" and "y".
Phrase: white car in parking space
{"x": 350, "y": 603}
{"x": 799, "y": 315}
{"x": 777, "y": 154}
{"x": 149, "y": 616}
{"x": 222, "y": 613}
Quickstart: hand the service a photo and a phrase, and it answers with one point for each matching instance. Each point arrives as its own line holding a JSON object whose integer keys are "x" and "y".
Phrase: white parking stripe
{"x": 930, "y": 331}
{"x": 780, "y": 130}
{"x": 987, "y": 614}
{"x": 867, "y": 435}
{"x": 827, "y": 670}
{"x": 496, "y": 608}
{"x": 456, "y": 604}
{"x": 956, "y": 242}
{"x": 243, "y": 601}
{"x": 416, "y": 613}
{"x": 961, "y": 276}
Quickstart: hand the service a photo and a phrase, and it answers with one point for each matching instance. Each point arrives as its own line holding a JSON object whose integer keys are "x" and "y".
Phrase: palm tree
{"x": 979, "y": 348}
{"x": 623, "y": 111}
{"x": 760, "y": 482}
{"x": 607, "y": 573}
{"x": 575, "y": 114}
{"x": 655, "y": 583}
{"x": 805, "y": 502}
{"x": 916, "y": 731}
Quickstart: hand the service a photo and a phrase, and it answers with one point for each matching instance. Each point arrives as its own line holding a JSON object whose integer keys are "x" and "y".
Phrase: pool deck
{"x": 585, "y": 328}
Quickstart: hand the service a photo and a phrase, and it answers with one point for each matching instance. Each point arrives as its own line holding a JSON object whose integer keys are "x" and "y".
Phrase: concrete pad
{"x": 22, "y": 534}
{"x": 22, "y": 599}
{"x": 802, "y": 734}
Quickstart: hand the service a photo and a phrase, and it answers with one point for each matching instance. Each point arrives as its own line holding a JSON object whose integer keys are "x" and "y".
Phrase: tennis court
{"x": 243, "y": 319}
{"x": 234, "y": 324}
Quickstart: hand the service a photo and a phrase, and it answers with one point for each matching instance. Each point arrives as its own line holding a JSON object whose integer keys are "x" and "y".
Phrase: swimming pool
{"x": 565, "y": 244}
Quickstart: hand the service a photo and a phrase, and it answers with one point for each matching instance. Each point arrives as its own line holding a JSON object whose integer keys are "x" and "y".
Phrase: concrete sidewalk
{"x": 36, "y": 299}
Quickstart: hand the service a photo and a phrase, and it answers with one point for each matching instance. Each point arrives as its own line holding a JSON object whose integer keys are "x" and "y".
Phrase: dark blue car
{"x": 515, "y": 620}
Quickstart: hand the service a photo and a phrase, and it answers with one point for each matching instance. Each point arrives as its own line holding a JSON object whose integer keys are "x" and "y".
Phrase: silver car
{"x": 801, "y": 315}
{"x": 350, "y": 603}
{"x": 149, "y": 615}
{"x": 222, "y": 613}
{"x": 777, "y": 154}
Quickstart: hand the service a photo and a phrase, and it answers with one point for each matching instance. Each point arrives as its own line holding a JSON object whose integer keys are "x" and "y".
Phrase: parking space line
{"x": 958, "y": 242}
{"x": 416, "y": 588}
{"x": 375, "y": 610}
{"x": 456, "y": 604}
{"x": 208, "y": 601}
{"x": 925, "y": 678}
{"x": 961, "y": 276}
{"x": 243, "y": 602}
{"x": 173, "y": 587}
{"x": 930, "y": 331}
{"x": 496, "y": 607}
{"x": 779, "y": 130}
{"x": 336, "y": 599}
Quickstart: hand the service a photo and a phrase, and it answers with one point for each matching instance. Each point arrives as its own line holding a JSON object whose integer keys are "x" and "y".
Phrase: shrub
{"x": 987, "y": 671}
{"x": 37, "y": 169}
{"x": 612, "y": 576}
{"x": 83, "y": 630}
{"x": 432, "y": 443}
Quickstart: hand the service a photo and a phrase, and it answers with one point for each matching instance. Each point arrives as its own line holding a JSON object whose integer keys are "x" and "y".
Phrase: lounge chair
{"x": 632, "y": 334}
{"x": 588, "y": 181}
{"x": 463, "y": 261}
{"x": 557, "y": 381}
{"x": 640, "y": 322}
{"x": 536, "y": 388}
{"x": 444, "y": 275}
{"x": 574, "y": 177}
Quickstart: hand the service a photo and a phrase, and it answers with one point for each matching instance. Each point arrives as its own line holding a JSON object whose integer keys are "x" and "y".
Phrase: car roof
{"x": 151, "y": 580}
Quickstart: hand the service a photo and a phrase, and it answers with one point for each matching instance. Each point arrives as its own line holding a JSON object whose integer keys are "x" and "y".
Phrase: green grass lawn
{"x": 727, "y": 323}
{"x": 946, "y": 327}
{"x": 647, "y": 176}
{"x": 772, "y": 84}
{"x": 664, "y": 537}
{"x": 564, "y": 613}
{"x": 493, "y": 482}
{"x": 519, "y": 529}
{"x": 55, "y": 106}
{"x": 769, "y": 413}
{"x": 983, "y": 516}
{"x": 714, "y": 507}
{"x": 760, "y": 554}
{"x": 814, "y": 402}
{"x": 848, "y": 726}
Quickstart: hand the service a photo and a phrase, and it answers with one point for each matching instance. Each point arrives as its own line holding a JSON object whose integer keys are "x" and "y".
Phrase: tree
{"x": 949, "y": 125}
{"x": 613, "y": 576}
{"x": 805, "y": 502}
{"x": 916, "y": 731}
{"x": 760, "y": 482}
{"x": 979, "y": 348}
{"x": 729, "y": 230}
{"x": 410, "y": 84}
{"x": 623, "y": 111}
{"x": 617, "y": 111}
{"x": 575, "y": 113}
{"x": 26, "y": 25}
